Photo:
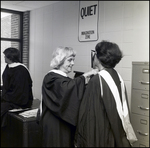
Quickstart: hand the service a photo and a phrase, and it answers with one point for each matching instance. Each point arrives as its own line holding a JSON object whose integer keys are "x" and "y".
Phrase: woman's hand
{"x": 90, "y": 73}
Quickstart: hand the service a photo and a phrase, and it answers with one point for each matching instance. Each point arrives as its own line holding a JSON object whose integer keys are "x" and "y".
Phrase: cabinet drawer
{"x": 140, "y": 143}
{"x": 140, "y": 102}
{"x": 141, "y": 126}
{"x": 140, "y": 77}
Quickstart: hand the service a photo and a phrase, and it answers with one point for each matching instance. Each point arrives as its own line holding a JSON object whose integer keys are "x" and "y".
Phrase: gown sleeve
{"x": 62, "y": 96}
{"x": 90, "y": 107}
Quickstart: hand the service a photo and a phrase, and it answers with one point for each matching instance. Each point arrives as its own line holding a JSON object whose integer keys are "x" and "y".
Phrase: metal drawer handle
{"x": 144, "y": 82}
{"x": 145, "y": 96}
{"x": 145, "y": 70}
{"x": 145, "y": 134}
{"x": 144, "y": 108}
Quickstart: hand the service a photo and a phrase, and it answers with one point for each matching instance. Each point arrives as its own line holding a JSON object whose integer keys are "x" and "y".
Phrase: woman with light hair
{"x": 61, "y": 98}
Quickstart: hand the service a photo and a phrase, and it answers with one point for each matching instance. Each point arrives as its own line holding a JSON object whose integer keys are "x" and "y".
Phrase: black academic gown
{"x": 99, "y": 124}
{"x": 61, "y": 97}
{"x": 16, "y": 90}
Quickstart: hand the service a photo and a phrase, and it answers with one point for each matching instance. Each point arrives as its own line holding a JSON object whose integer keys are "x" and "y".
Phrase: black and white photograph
{"x": 74, "y": 74}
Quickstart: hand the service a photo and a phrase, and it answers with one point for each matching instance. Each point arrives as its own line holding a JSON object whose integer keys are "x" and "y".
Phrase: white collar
{"x": 59, "y": 72}
{"x": 15, "y": 64}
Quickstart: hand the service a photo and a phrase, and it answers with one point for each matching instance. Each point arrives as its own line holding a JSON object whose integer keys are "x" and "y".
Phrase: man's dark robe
{"x": 61, "y": 97}
{"x": 16, "y": 90}
{"x": 99, "y": 124}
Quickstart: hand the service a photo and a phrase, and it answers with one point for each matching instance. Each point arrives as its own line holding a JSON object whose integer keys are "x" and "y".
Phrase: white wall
{"x": 123, "y": 22}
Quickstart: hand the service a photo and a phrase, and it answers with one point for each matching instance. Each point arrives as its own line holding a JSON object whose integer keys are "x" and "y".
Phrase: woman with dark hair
{"x": 17, "y": 84}
{"x": 61, "y": 98}
{"x": 104, "y": 112}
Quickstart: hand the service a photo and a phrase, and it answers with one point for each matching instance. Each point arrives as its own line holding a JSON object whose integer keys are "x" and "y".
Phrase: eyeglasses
{"x": 93, "y": 53}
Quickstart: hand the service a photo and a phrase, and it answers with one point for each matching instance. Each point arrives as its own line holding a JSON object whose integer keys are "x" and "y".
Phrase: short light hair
{"x": 60, "y": 54}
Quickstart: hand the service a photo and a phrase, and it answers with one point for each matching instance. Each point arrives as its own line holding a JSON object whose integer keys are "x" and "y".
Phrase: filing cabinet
{"x": 140, "y": 103}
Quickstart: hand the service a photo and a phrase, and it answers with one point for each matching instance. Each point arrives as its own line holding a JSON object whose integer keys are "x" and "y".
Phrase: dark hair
{"x": 108, "y": 54}
{"x": 12, "y": 54}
